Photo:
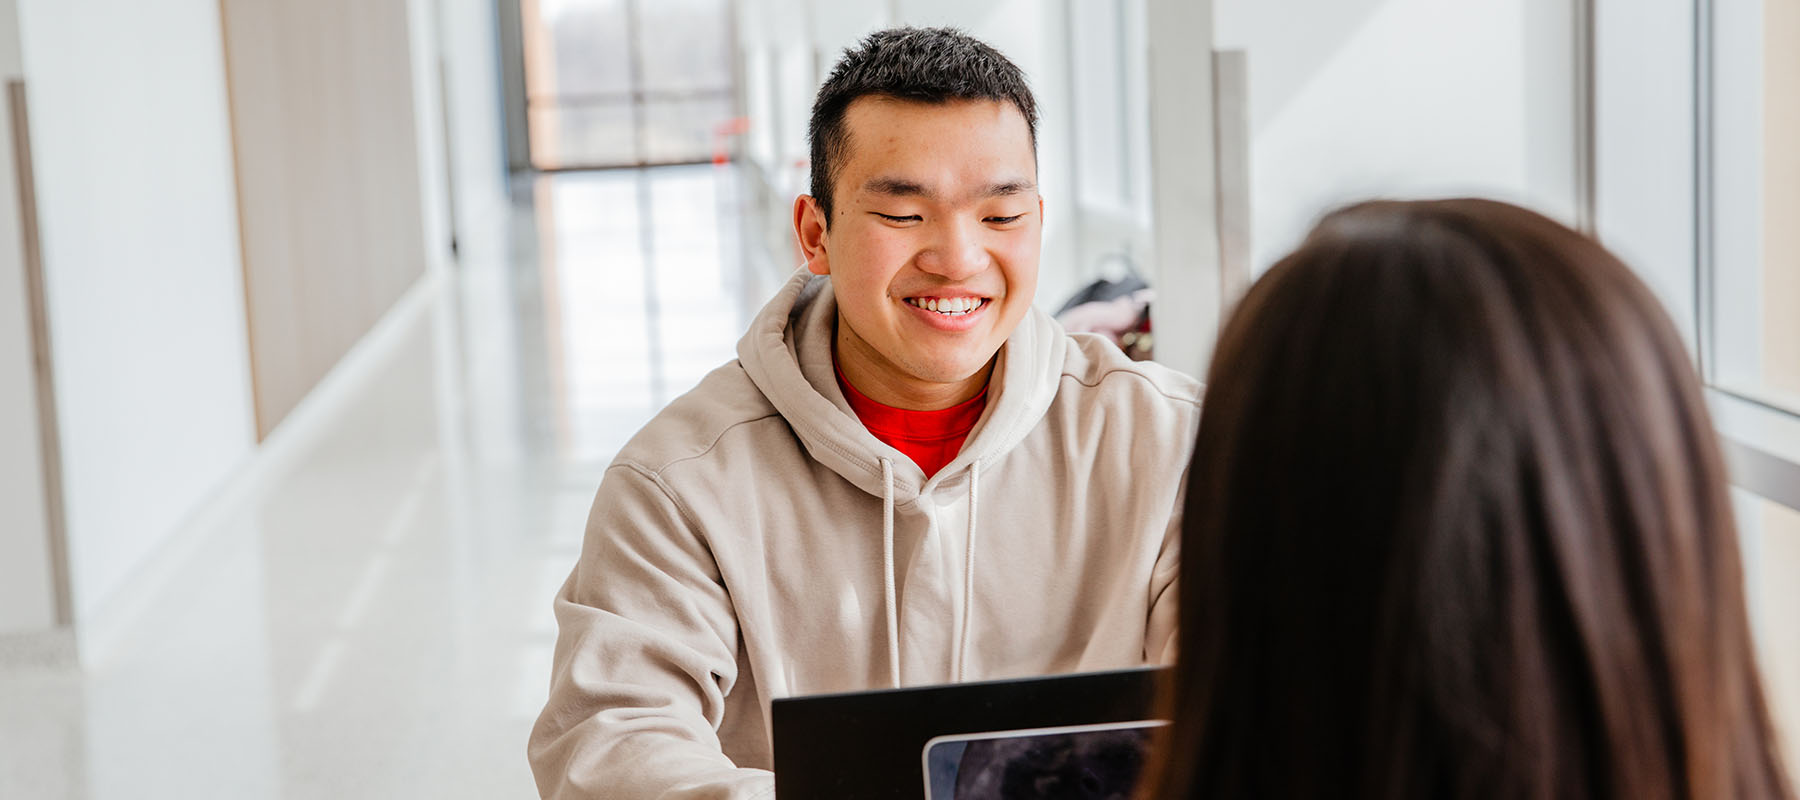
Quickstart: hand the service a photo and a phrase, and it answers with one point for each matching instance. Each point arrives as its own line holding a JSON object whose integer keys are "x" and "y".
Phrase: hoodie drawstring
{"x": 960, "y": 668}
{"x": 887, "y": 564}
{"x": 962, "y": 643}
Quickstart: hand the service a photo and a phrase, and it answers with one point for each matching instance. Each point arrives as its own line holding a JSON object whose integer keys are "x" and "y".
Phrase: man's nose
{"x": 956, "y": 252}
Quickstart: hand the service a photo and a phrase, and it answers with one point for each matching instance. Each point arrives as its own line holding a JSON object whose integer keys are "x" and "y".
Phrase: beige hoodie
{"x": 754, "y": 541}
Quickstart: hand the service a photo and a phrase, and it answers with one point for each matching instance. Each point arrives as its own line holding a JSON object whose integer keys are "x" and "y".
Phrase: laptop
{"x": 1085, "y": 734}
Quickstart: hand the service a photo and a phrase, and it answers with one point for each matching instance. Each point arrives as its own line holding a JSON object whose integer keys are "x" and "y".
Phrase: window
{"x": 1752, "y": 345}
{"x": 1748, "y": 309}
{"x": 1696, "y": 149}
{"x": 613, "y": 83}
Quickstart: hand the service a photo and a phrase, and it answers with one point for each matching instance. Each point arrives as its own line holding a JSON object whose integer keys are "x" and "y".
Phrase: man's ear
{"x": 809, "y": 227}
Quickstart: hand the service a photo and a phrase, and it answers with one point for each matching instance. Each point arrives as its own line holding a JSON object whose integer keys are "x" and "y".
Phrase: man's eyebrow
{"x": 901, "y": 187}
{"x": 1010, "y": 188}
{"x": 897, "y": 187}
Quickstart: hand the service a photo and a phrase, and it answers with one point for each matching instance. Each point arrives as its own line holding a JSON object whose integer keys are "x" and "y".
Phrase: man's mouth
{"x": 948, "y": 306}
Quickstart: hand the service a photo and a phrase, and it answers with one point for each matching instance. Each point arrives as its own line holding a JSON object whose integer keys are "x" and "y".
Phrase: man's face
{"x": 933, "y": 243}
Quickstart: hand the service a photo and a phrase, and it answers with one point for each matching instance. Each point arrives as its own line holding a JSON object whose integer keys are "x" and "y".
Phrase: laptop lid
{"x": 961, "y": 741}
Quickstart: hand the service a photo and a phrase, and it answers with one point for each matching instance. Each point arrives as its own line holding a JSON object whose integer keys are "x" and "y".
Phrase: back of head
{"x": 924, "y": 65}
{"x": 1457, "y": 526}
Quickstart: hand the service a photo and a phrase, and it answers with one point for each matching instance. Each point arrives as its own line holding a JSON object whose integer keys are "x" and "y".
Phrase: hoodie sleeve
{"x": 1165, "y": 588}
{"x": 645, "y": 655}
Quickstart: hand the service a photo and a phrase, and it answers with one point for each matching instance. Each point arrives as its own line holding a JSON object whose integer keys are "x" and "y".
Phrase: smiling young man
{"x": 910, "y": 475}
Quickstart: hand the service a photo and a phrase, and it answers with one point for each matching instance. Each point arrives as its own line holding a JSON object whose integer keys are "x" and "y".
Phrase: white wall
{"x": 1403, "y": 98}
{"x": 430, "y": 121}
{"x": 477, "y": 144}
{"x": 146, "y": 301}
{"x": 27, "y": 593}
{"x": 1186, "y": 202}
{"x": 484, "y": 216}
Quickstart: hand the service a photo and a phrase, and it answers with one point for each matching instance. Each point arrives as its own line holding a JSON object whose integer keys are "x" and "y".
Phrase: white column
{"x": 1184, "y": 180}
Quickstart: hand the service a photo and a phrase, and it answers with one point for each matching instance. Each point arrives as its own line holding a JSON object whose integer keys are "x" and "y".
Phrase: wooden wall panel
{"x": 328, "y": 181}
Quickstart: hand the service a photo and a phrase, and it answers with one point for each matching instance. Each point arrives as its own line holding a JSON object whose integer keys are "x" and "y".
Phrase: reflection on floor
{"x": 373, "y": 618}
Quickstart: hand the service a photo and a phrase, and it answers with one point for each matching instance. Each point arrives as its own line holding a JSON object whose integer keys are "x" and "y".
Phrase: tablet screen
{"x": 1082, "y": 761}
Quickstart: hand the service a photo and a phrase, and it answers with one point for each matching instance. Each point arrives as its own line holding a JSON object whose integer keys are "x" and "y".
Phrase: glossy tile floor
{"x": 373, "y": 620}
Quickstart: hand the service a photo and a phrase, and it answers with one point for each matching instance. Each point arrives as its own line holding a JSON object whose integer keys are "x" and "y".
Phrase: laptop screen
{"x": 1082, "y": 761}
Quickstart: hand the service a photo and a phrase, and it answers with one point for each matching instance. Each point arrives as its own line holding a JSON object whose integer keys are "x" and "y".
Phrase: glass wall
{"x": 1749, "y": 303}
{"x": 1754, "y": 346}
{"x": 620, "y": 83}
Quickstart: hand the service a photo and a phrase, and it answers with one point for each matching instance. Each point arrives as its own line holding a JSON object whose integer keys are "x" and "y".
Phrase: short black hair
{"x": 925, "y": 65}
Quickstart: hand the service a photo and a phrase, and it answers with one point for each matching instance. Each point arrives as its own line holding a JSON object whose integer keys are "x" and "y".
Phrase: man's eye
{"x": 1004, "y": 220}
{"x": 892, "y": 218}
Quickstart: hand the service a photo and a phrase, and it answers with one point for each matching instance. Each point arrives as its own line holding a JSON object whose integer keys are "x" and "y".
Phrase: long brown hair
{"x": 1457, "y": 526}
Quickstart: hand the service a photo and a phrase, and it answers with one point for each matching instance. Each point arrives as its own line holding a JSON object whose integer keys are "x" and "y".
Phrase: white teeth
{"x": 954, "y": 306}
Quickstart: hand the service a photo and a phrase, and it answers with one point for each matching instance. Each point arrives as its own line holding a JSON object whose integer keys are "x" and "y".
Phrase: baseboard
{"x": 39, "y": 650}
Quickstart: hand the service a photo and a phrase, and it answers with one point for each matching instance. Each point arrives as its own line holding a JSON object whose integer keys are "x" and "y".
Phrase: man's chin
{"x": 954, "y": 371}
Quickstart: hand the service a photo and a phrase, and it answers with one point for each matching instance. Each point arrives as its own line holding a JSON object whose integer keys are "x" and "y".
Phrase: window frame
{"x": 1654, "y": 202}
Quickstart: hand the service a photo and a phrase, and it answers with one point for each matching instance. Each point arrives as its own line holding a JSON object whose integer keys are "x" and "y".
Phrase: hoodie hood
{"x": 787, "y": 354}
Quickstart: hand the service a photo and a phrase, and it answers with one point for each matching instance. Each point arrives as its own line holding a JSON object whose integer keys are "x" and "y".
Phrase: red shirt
{"x": 930, "y": 438}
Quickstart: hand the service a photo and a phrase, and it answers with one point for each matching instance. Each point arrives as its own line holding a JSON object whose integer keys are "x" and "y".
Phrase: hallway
{"x": 366, "y": 613}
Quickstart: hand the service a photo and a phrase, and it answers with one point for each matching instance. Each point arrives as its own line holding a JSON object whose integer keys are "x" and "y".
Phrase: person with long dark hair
{"x": 1457, "y": 526}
